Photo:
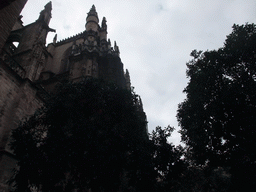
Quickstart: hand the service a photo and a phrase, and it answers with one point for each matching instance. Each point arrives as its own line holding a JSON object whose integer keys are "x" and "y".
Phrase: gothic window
{"x": 13, "y": 46}
{"x": 13, "y": 42}
{"x": 65, "y": 63}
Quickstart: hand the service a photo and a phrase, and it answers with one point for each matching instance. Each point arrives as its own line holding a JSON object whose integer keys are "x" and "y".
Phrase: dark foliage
{"x": 174, "y": 171}
{"x": 167, "y": 160}
{"x": 89, "y": 135}
{"x": 218, "y": 117}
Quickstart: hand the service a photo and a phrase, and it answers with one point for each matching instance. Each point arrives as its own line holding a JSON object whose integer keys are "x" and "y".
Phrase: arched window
{"x": 64, "y": 65}
{"x": 13, "y": 42}
{"x": 13, "y": 46}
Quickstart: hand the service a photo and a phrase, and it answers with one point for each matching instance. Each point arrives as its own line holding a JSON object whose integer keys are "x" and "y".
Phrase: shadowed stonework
{"x": 29, "y": 69}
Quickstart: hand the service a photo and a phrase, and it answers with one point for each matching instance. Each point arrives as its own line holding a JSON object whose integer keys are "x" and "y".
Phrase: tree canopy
{"x": 218, "y": 117}
{"x": 86, "y": 136}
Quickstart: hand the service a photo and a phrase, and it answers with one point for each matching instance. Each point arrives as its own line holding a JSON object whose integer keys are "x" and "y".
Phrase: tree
{"x": 86, "y": 136}
{"x": 167, "y": 160}
{"x": 218, "y": 117}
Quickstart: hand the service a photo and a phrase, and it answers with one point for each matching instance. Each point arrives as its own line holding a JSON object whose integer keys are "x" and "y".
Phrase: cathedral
{"x": 29, "y": 68}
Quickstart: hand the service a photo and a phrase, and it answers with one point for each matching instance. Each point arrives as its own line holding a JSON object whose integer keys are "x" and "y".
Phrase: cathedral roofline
{"x": 69, "y": 39}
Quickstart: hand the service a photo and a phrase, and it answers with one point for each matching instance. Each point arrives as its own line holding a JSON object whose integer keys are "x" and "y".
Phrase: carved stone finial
{"x": 93, "y": 8}
{"x": 104, "y": 23}
{"x": 92, "y": 19}
{"x": 48, "y": 6}
{"x": 93, "y": 11}
{"x": 45, "y": 15}
{"x": 140, "y": 102}
{"x": 127, "y": 79}
{"x": 116, "y": 48}
{"x": 55, "y": 39}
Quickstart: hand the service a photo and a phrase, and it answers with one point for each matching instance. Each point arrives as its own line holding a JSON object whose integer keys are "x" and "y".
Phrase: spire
{"x": 93, "y": 9}
{"x": 93, "y": 12}
{"x": 48, "y": 6}
{"x": 103, "y": 29}
{"x": 92, "y": 20}
{"x": 104, "y": 24}
{"x": 127, "y": 79}
{"x": 116, "y": 48}
{"x": 55, "y": 39}
{"x": 141, "y": 102}
{"x": 46, "y": 15}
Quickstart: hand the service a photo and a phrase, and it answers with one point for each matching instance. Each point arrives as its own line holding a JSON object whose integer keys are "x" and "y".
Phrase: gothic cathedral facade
{"x": 29, "y": 68}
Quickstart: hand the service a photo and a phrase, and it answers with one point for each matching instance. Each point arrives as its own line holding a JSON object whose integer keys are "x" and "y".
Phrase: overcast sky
{"x": 155, "y": 38}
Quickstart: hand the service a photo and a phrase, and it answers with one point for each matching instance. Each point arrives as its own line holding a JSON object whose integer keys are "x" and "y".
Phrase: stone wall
{"x": 19, "y": 96}
{"x": 18, "y": 99}
{"x": 9, "y": 15}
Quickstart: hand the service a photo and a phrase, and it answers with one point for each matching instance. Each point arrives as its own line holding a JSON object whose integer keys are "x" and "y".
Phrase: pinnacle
{"x": 48, "y": 5}
{"x": 93, "y": 8}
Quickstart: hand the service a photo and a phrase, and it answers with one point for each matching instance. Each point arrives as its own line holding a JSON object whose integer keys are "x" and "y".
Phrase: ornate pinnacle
{"x": 93, "y": 11}
{"x": 116, "y": 47}
{"x": 45, "y": 15}
{"x": 104, "y": 23}
{"x": 127, "y": 72}
{"x": 48, "y": 6}
{"x": 55, "y": 39}
{"x": 93, "y": 8}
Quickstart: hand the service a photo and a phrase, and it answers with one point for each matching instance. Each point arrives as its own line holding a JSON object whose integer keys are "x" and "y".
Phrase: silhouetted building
{"x": 29, "y": 69}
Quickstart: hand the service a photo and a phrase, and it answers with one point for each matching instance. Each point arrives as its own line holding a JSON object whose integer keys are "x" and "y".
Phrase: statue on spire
{"x": 104, "y": 23}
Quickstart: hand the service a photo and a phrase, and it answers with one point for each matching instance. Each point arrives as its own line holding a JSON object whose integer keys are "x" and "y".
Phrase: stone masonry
{"x": 30, "y": 70}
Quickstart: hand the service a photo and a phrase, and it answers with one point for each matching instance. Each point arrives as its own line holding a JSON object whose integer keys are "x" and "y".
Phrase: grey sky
{"x": 155, "y": 38}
